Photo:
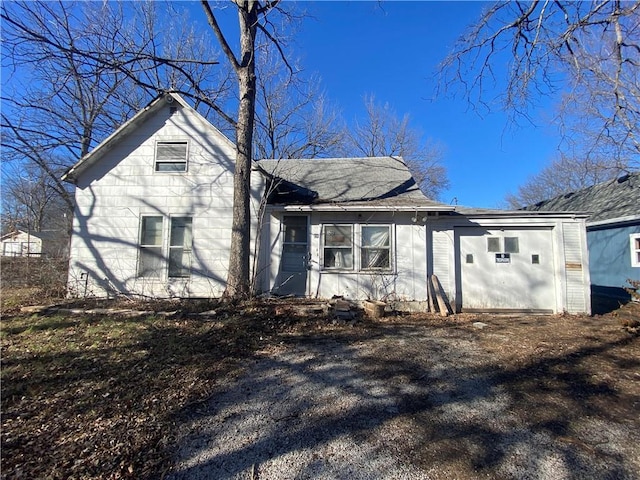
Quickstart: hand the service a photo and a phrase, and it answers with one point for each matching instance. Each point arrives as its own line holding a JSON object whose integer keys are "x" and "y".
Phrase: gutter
{"x": 361, "y": 208}
{"x": 614, "y": 221}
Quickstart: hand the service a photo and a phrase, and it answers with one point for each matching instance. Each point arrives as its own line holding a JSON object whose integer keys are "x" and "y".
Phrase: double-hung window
{"x": 634, "y": 239}
{"x": 356, "y": 247}
{"x": 161, "y": 250}
{"x": 171, "y": 156}
{"x": 180, "y": 247}
{"x": 338, "y": 246}
{"x": 150, "y": 259}
{"x": 375, "y": 249}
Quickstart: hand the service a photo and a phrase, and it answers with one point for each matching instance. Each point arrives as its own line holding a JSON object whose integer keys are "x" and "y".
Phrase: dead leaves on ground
{"x": 99, "y": 396}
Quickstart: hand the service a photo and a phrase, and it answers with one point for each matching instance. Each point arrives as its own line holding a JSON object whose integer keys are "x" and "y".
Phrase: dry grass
{"x": 99, "y": 397}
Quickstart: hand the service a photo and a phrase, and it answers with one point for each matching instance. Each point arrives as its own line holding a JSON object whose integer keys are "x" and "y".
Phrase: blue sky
{"x": 391, "y": 50}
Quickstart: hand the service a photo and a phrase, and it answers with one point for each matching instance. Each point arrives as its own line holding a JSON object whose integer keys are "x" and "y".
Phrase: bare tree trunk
{"x": 238, "y": 276}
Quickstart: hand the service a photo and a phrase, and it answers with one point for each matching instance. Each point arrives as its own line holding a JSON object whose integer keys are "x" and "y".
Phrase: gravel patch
{"x": 408, "y": 402}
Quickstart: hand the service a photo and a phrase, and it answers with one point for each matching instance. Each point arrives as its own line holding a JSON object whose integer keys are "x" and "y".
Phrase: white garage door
{"x": 506, "y": 269}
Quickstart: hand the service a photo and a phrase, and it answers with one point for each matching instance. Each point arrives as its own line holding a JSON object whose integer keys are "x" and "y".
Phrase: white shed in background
{"x": 21, "y": 244}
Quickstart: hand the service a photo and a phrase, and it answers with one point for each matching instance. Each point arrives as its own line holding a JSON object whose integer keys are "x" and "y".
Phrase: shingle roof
{"x": 607, "y": 201}
{"x": 369, "y": 180}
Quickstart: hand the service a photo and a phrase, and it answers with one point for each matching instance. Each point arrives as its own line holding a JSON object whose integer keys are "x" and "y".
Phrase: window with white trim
{"x": 375, "y": 249}
{"x": 634, "y": 240}
{"x": 338, "y": 246}
{"x": 171, "y": 156}
{"x": 161, "y": 250}
{"x": 180, "y": 239}
{"x": 356, "y": 247}
{"x": 150, "y": 259}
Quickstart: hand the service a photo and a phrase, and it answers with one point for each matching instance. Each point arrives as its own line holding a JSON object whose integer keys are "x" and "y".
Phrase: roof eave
{"x": 524, "y": 213}
{"x": 614, "y": 221}
{"x": 71, "y": 174}
{"x": 345, "y": 207}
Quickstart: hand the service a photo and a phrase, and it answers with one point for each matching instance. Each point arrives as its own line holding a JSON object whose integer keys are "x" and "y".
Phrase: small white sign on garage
{"x": 506, "y": 269}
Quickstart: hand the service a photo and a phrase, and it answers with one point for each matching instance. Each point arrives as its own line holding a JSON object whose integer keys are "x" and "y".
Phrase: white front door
{"x": 506, "y": 269}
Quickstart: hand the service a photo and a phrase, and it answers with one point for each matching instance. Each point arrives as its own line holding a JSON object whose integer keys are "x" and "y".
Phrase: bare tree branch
{"x": 554, "y": 45}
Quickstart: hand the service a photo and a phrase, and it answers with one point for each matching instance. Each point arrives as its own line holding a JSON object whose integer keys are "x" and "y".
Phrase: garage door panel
{"x": 515, "y": 275}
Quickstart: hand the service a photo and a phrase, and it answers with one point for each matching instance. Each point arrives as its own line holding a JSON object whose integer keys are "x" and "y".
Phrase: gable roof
{"x": 383, "y": 182}
{"x": 608, "y": 202}
{"x": 17, "y": 232}
{"x": 108, "y": 143}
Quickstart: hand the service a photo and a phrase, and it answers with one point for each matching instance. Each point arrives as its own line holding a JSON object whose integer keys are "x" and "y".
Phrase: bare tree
{"x": 253, "y": 17}
{"x": 57, "y": 104}
{"x": 587, "y": 52}
{"x": 383, "y": 133}
{"x": 101, "y": 52}
{"x": 293, "y": 117}
{"x": 33, "y": 201}
{"x": 563, "y": 175}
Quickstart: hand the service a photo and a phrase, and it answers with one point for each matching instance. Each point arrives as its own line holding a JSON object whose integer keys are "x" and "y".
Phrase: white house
{"x": 20, "y": 243}
{"x": 153, "y": 218}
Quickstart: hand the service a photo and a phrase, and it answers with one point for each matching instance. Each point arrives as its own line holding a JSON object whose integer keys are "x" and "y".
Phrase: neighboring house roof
{"x": 608, "y": 202}
{"x": 112, "y": 140}
{"x": 353, "y": 182}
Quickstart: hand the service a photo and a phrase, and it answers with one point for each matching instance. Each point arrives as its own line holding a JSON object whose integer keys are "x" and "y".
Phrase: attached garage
{"x": 500, "y": 261}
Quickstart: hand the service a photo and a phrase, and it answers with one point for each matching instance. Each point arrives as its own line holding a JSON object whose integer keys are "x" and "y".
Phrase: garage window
{"x": 493, "y": 244}
{"x": 503, "y": 245}
{"x": 511, "y": 245}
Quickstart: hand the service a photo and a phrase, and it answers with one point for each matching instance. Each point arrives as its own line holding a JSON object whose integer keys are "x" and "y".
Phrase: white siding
{"x": 443, "y": 258}
{"x": 113, "y": 194}
{"x": 576, "y": 270}
{"x": 406, "y": 281}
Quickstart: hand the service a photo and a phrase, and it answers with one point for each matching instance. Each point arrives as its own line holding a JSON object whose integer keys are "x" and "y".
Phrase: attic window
{"x": 171, "y": 157}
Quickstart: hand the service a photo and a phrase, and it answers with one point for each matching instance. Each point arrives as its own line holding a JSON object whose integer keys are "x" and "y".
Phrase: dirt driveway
{"x": 427, "y": 398}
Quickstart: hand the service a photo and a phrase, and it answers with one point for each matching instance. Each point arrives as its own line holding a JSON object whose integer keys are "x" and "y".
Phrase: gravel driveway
{"x": 401, "y": 401}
